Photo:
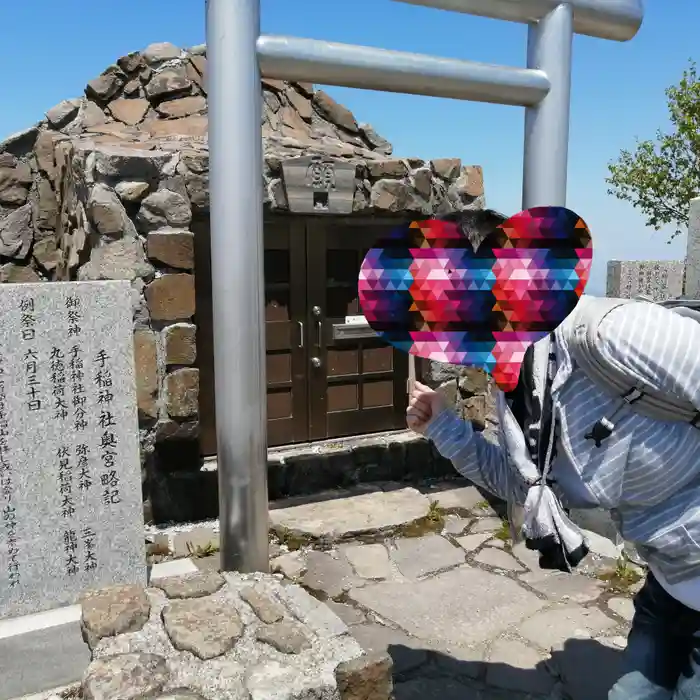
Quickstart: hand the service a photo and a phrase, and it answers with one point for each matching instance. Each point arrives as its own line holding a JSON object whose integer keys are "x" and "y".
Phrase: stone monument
{"x": 657, "y": 279}
{"x": 70, "y": 477}
{"x": 692, "y": 258}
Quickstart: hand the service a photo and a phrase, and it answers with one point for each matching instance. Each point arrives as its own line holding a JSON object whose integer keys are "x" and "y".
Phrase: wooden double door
{"x": 320, "y": 382}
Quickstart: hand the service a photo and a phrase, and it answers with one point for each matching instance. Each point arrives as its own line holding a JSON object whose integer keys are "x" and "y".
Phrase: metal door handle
{"x": 301, "y": 334}
{"x": 316, "y": 362}
{"x": 320, "y": 333}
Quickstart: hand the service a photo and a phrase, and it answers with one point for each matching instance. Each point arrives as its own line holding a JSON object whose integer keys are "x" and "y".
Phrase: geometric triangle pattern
{"x": 425, "y": 290}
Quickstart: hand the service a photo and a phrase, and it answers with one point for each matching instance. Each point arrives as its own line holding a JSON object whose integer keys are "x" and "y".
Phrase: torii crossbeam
{"x": 238, "y": 56}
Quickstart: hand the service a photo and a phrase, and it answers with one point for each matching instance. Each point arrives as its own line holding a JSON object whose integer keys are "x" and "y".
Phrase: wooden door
{"x": 285, "y": 304}
{"x": 286, "y": 334}
{"x": 356, "y": 385}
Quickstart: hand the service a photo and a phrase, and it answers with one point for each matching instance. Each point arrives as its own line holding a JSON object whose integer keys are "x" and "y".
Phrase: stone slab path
{"x": 431, "y": 576}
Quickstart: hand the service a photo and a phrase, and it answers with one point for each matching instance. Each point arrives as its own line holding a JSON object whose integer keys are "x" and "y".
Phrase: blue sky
{"x": 54, "y": 48}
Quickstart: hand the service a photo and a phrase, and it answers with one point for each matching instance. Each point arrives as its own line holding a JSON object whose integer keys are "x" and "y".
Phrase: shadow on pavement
{"x": 583, "y": 669}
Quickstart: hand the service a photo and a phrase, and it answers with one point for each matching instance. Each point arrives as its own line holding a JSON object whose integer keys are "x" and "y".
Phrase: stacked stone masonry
{"x": 208, "y": 636}
{"x": 108, "y": 187}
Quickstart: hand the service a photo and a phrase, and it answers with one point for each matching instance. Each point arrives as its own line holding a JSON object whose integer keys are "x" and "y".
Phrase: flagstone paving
{"x": 430, "y": 576}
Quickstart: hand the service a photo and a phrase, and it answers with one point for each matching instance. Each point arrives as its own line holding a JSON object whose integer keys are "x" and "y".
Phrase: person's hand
{"x": 423, "y": 406}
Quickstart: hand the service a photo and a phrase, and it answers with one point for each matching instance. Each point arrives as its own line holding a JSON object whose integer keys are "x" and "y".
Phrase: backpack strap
{"x": 615, "y": 379}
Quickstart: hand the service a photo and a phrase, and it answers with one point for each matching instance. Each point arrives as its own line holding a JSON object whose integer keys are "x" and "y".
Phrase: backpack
{"x": 614, "y": 380}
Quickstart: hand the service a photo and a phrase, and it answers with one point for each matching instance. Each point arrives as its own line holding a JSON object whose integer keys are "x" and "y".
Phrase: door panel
{"x": 359, "y": 385}
{"x": 285, "y": 298}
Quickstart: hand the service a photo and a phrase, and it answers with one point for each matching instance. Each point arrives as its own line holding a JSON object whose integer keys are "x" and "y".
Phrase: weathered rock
{"x": 167, "y": 429}
{"x": 146, "y": 363}
{"x": 122, "y": 260}
{"x": 277, "y": 85}
{"x": 204, "y": 626}
{"x": 131, "y": 191}
{"x": 368, "y": 677}
{"x": 107, "y": 213}
{"x": 286, "y": 637}
{"x": 196, "y": 161}
{"x": 105, "y": 86}
{"x": 336, "y": 113}
{"x": 45, "y": 207}
{"x": 129, "y": 111}
{"x": 181, "y": 389}
{"x": 200, "y": 65}
{"x": 182, "y": 107}
{"x": 172, "y": 247}
{"x": 7, "y": 160}
{"x": 191, "y": 585}
{"x": 422, "y": 180}
{"x": 446, "y": 168}
{"x": 16, "y": 233}
{"x": 180, "y": 341}
{"x": 134, "y": 89}
{"x": 63, "y": 113}
{"x": 265, "y": 608}
{"x": 125, "y": 677}
{"x": 160, "y": 51}
{"x": 171, "y": 297}
{"x": 378, "y": 143}
{"x": 198, "y": 191}
{"x": 20, "y": 143}
{"x": 393, "y": 168}
{"x": 15, "y": 183}
{"x": 91, "y": 115}
{"x": 114, "y": 610}
{"x": 46, "y": 254}
{"x": 164, "y": 208}
{"x": 44, "y": 152}
{"x": 131, "y": 62}
{"x": 168, "y": 83}
{"x": 18, "y": 274}
{"x": 130, "y": 163}
{"x": 301, "y": 104}
{"x": 392, "y": 195}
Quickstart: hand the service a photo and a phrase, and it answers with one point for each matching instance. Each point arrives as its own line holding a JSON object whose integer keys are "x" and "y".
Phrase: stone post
{"x": 691, "y": 289}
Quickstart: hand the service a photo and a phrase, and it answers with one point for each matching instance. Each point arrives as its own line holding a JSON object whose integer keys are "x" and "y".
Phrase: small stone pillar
{"x": 691, "y": 288}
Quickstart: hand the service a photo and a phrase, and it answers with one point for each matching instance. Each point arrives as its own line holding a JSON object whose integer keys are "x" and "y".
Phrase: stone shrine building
{"x": 114, "y": 186}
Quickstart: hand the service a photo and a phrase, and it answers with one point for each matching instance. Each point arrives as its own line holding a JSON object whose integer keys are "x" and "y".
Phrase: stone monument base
{"x": 211, "y": 636}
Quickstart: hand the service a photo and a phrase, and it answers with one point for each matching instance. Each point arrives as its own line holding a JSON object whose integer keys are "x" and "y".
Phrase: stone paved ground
{"x": 431, "y": 576}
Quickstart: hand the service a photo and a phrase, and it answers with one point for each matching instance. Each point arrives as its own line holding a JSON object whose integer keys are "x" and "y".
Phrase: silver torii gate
{"x": 238, "y": 56}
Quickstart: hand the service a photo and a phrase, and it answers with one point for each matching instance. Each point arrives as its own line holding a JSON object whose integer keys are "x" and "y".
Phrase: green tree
{"x": 662, "y": 175}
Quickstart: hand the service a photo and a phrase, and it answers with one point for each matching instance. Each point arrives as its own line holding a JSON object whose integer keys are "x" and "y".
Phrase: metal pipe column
{"x": 235, "y": 182}
{"x": 549, "y": 45}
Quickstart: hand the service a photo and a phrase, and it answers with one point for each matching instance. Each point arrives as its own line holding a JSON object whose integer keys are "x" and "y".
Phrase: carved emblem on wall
{"x": 319, "y": 185}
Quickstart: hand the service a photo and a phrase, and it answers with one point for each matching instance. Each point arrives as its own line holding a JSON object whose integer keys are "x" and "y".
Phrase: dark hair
{"x": 476, "y": 224}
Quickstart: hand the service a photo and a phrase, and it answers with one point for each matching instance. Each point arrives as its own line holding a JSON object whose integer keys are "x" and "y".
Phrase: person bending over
{"x": 566, "y": 441}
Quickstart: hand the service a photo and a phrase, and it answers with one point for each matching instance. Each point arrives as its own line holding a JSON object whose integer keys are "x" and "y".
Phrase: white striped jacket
{"x": 647, "y": 473}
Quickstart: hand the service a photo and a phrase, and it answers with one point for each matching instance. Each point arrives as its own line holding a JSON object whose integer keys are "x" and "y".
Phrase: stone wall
{"x": 108, "y": 185}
